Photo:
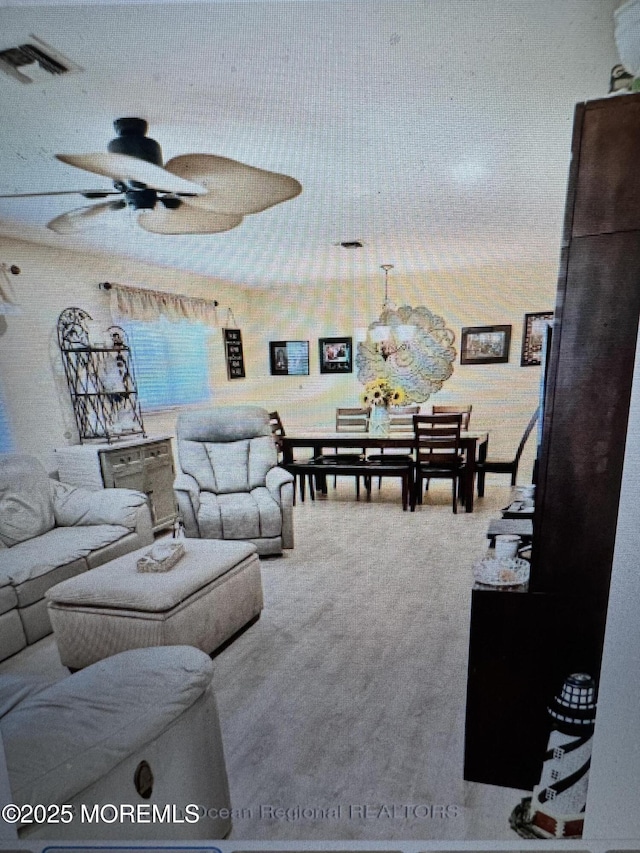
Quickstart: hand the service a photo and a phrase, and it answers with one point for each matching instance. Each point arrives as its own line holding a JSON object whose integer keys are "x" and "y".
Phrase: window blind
{"x": 171, "y": 361}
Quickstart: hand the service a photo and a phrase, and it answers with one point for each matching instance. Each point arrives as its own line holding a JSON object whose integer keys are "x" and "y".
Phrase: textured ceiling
{"x": 436, "y": 132}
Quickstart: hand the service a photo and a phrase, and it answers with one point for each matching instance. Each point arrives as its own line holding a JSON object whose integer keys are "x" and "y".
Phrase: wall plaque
{"x": 234, "y": 356}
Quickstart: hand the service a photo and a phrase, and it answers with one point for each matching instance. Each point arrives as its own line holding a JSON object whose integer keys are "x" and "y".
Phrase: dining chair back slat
{"x": 352, "y": 420}
{"x": 401, "y": 418}
{"x": 465, "y": 411}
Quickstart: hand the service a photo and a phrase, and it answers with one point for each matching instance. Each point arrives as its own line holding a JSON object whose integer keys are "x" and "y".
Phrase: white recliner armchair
{"x": 139, "y": 729}
{"x": 230, "y": 485}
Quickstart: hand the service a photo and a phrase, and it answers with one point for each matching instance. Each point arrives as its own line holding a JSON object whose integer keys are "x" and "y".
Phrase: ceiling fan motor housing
{"x": 131, "y": 140}
{"x": 141, "y": 199}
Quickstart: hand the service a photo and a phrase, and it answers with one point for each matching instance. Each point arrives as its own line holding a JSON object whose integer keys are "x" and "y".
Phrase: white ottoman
{"x": 212, "y": 592}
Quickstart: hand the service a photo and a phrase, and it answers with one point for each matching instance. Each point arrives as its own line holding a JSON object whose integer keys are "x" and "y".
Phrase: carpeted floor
{"x": 343, "y": 706}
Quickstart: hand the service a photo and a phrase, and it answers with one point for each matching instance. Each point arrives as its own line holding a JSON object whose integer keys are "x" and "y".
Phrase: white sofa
{"x": 49, "y": 532}
{"x": 138, "y": 728}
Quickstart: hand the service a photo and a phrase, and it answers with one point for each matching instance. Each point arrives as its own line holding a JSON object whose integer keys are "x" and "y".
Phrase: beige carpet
{"x": 343, "y": 707}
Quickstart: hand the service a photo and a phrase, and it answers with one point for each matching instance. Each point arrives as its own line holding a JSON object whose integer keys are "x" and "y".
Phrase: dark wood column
{"x": 523, "y": 645}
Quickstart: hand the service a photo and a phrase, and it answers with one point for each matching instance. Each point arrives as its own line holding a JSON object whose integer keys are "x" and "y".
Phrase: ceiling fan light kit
{"x": 190, "y": 194}
{"x": 132, "y": 140}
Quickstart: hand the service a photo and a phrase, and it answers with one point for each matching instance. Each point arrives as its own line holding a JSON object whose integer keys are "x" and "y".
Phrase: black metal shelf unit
{"x": 101, "y": 380}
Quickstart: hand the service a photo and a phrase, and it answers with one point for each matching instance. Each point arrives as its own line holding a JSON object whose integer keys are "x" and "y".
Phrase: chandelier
{"x": 389, "y": 340}
{"x": 409, "y": 347}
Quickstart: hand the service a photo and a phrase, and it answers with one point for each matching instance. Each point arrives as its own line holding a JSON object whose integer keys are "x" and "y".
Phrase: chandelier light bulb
{"x": 405, "y": 332}
{"x": 379, "y": 333}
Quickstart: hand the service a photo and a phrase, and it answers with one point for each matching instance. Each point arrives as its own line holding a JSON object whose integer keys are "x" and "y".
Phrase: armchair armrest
{"x": 73, "y": 506}
{"x": 276, "y": 479}
{"x": 187, "y": 492}
{"x": 280, "y": 482}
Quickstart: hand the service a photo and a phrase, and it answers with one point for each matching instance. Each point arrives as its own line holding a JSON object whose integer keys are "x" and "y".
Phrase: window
{"x": 171, "y": 362}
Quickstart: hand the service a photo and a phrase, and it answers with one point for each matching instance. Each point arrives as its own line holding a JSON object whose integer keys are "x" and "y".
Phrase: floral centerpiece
{"x": 377, "y": 397}
{"x": 381, "y": 393}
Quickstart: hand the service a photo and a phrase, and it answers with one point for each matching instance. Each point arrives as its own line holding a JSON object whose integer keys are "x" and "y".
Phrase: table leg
{"x": 482, "y": 456}
{"x": 470, "y": 474}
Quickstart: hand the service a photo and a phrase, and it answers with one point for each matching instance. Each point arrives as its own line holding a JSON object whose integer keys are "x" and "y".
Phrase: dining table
{"x": 474, "y": 444}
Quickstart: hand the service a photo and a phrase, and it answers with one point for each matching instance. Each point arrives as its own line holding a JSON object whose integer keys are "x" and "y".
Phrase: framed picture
{"x": 533, "y": 337}
{"x": 335, "y": 355}
{"x": 485, "y": 345}
{"x": 234, "y": 354}
{"x": 289, "y": 358}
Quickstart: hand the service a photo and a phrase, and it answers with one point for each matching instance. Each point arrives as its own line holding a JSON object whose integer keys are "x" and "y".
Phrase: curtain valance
{"x": 137, "y": 303}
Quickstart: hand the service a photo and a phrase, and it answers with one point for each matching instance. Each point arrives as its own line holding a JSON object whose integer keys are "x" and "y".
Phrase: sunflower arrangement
{"x": 381, "y": 393}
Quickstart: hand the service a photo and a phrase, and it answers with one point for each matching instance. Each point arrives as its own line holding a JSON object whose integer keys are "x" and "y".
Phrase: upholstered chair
{"x": 230, "y": 485}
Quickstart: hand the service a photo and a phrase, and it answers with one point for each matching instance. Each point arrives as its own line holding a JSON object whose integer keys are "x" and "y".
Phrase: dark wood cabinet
{"x": 523, "y": 645}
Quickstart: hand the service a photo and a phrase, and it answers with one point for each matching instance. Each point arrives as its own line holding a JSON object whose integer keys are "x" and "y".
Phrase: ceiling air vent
{"x": 33, "y": 60}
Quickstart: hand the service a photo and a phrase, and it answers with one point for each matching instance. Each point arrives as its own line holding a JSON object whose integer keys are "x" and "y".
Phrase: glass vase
{"x": 379, "y": 420}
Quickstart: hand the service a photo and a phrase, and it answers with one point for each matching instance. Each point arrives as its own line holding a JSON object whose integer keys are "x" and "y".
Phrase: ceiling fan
{"x": 190, "y": 194}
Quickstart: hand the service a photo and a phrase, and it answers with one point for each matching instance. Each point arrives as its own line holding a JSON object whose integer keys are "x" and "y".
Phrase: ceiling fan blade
{"x": 84, "y": 217}
{"x": 122, "y": 167}
{"x": 85, "y": 193}
{"x": 186, "y": 219}
{"x": 233, "y": 187}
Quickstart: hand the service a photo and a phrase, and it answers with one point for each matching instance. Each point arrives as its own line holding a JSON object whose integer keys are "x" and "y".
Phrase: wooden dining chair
{"x": 437, "y": 453}
{"x": 465, "y": 411}
{"x": 348, "y": 419}
{"x": 278, "y": 433}
{"x": 510, "y": 466}
{"x": 400, "y": 421}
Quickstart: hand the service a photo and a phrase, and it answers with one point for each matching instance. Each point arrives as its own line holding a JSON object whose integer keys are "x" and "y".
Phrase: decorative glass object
{"x": 379, "y": 421}
{"x": 501, "y": 572}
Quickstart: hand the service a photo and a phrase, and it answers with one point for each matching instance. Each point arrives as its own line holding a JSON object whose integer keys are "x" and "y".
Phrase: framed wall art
{"x": 234, "y": 354}
{"x": 533, "y": 337}
{"x": 485, "y": 345}
{"x": 289, "y": 358}
{"x": 336, "y": 355}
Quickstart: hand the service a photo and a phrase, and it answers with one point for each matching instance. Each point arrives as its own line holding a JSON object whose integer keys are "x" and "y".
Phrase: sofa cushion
{"x": 8, "y": 598}
{"x": 36, "y": 557}
{"x": 120, "y": 585}
{"x": 26, "y": 508}
{"x": 240, "y": 515}
{"x": 230, "y": 465}
{"x": 74, "y": 507}
{"x": 12, "y": 636}
{"x": 62, "y": 739}
{"x": 16, "y": 688}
